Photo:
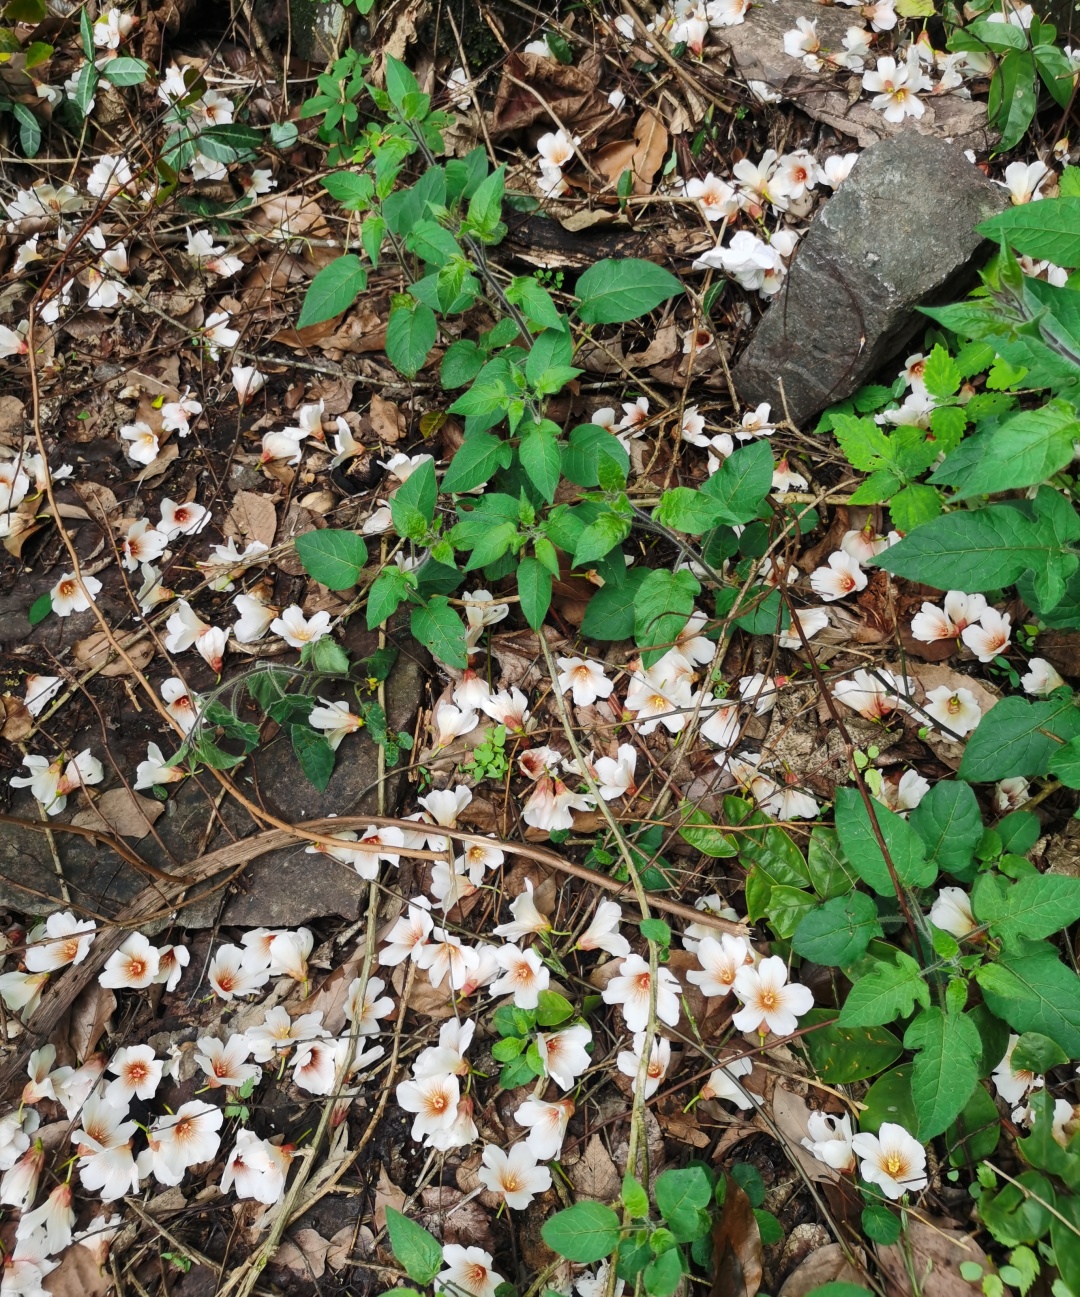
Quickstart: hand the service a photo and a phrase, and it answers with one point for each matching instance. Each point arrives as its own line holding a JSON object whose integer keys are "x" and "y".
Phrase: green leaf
{"x": 438, "y": 627}
{"x": 635, "y": 1199}
{"x": 889, "y": 1099}
{"x": 485, "y": 207}
{"x": 1037, "y": 993}
{"x": 535, "y": 301}
{"x": 230, "y": 142}
{"x": 461, "y": 363}
{"x": 1035, "y": 907}
{"x": 950, "y": 824}
{"x": 400, "y": 82}
{"x": 1053, "y": 235}
{"x": 25, "y": 11}
{"x": 914, "y": 505}
{"x": 476, "y": 461}
{"x": 29, "y": 129}
{"x": 589, "y": 444}
{"x": 412, "y": 506}
{"x": 610, "y": 614}
{"x": 333, "y": 290}
{"x": 1065, "y": 763}
{"x": 600, "y": 538}
{"x": 1022, "y": 451}
{"x": 1013, "y": 97}
{"x": 541, "y": 457}
{"x": 1017, "y": 738}
{"x": 585, "y": 1233}
{"x": 741, "y": 483}
{"x": 389, "y": 590}
{"x": 334, "y": 558}
{"x": 534, "y": 587}
{"x": 418, "y": 1252}
{"x": 612, "y": 292}
{"x": 125, "y": 71}
{"x": 880, "y": 1225}
{"x": 975, "y": 1133}
{"x": 372, "y": 233}
{"x": 663, "y": 1275}
{"x": 941, "y": 377}
{"x": 696, "y": 828}
{"x": 39, "y": 609}
{"x": 552, "y": 1009}
{"x": 862, "y": 441}
{"x": 681, "y": 1196}
{"x": 662, "y": 606}
{"x": 861, "y": 847}
{"x": 314, "y": 753}
{"x": 839, "y": 931}
{"x": 830, "y": 871}
{"x": 840, "y": 1055}
{"x": 889, "y": 992}
{"x": 410, "y": 335}
{"x": 945, "y": 1071}
{"x": 1036, "y": 1053}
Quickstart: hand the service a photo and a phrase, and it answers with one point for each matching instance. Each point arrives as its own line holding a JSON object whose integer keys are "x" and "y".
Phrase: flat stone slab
{"x": 757, "y": 52}
{"x": 899, "y": 233}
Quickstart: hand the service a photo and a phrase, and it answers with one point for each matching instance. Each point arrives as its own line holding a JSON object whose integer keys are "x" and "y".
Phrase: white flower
{"x": 13, "y": 342}
{"x": 22, "y": 991}
{"x": 225, "y": 1062}
{"x": 564, "y": 1054}
{"x": 770, "y": 1002}
{"x": 61, "y": 940}
{"x": 1010, "y": 794}
{"x": 784, "y": 478}
{"x": 246, "y": 381}
{"x": 151, "y": 592}
{"x": 951, "y": 912}
{"x": 527, "y": 918}
{"x": 252, "y": 1169}
{"x": 142, "y": 544}
{"x": 26, "y": 1266}
{"x": 40, "y": 691}
{"x": 514, "y": 1175}
{"x": 628, "y": 1061}
{"x": 835, "y": 170}
{"x": 134, "y": 966}
{"x": 546, "y": 1122}
{"x": 723, "y": 1084}
{"x": 172, "y": 960}
{"x": 892, "y": 1159}
{"x": 726, "y": 13}
{"x": 137, "y": 1073}
{"x": 635, "y": 416}
{"x": 603, "y": 932}
{"x": 1022, "y": 180}
{"x": 297, "y": 630}
{"x": 53, "y": 1220}
{"x": 716, "y": 197}
{"x": 802, "y": 42}
{"x": 903, "y": 794}
{"x": 446, "y": 956}
{"x": 231, "y": 973}
{"x": 336, "y": 720}
{"x": 255, "y": 619}
{"x": 930, "y": 624}
{"x": 409, "y": 934}
{"x": 478, "y": 858}
{"x": 875, "y": 695}
{"x": 182, "y": 706}
{"x": 468, "y": 1270}
{"x": 654, "y": 703}
{"x": 812, "y": 620}
{"x": 182, "y": 519}
{"x": 434, "y": 1100}
{"x": 956, "y": 711}
{"x": 556, "y": 148}
{"x": 830, "y": 1140}
{"x": 615, "y": 775}
{"x": 632, "y": 989}
{"x": 720, "y": 960}
{"x": 218, "y": 335}
{"x": 450, "y": 722}
{"x": 73, "y": 594}
{"x": 15, "y": 1131}
{"x": 796, "y": 173}
{"x": 990, "y": 636}
{"x": 524, "y": 976}
{"x": 109, "y": 175}
{"x": 279, "y": 1032}
{"x": 1040, "y": 678}
{"x": 1014, "y": 1084}
{"x": 481, "y": 610}
{"x": 176, "y": 415}
{"x": 842, "y": 577}
{"x": 182, "y": 1139}
{"x": 585, "y": 678}
{"x": 896, "y": 88}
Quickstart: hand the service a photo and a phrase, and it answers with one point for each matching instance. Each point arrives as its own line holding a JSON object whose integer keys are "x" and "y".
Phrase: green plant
{"x": 489, "y": 760}
{"x": 516, "y": 1047}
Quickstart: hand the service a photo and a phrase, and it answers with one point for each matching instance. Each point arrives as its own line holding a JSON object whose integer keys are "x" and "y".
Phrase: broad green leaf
{"x": 461, "y": 363}
{"x": 914, "y": 505}
{"x": 541, "y": 456}
{"x": 688, "y": 510}
{"x": 1051, "y": 235}
{"x": 741, "y": 483}
{"x": 419, "y": 1252}
{"x": 1036, "y": 1053}
{"x": 125, "y": 71}
{"x": 696, "y": 828}
{"x": 830, "y": 870}
{"x": 433, "y": 243}
{"x": 600, "y": 538}
{"x": 534, "y": 588}
{"x": 1065, "y": 763}
{"x": 589, "y": 444}
{"x": 945, "y": 1070}
{"x": 552, "y": 1008}
{"x": 889, "y": 1099}
{"x": 1022, "y": 451}
{"x": 1035, "y": 907}
{"x": 610, "y": 614}
{"x": 39, "y": 609}
{"x": 485, "y": 207}
{"x": 950, "y": 824}
{"x": 1037, "y": 993}
{"x": 664, "y": 1273}
{"x": 1017, "y": 738}
{"x": 585, "y": 1233}
{"x": 441, "y": 631}
{"x": 333, "y": 290}
{"x": 635, "y": 1199}
{"x": 612, "y": 292}
{"x": 412, "y": 506}
{"x": 389, "y": 590}
{"x": 334, "y": 558}
{"x": 410, "y": 335}
{"x": 838, "y": 931}
{"x": 1013, "y": 95}
{"x": 840, "y": 1055}
{"x": 230, "y": 142}
{"x": 941, "y": 377}
{"x": 314, "y": 753}
{"x": 889, "y": 992}
{"x": 475, "y": 461}
{"x": 860, "y": 844}
{"x": 662, "y": 607}
{"x": 975, "y": 1133}
{"x": 681, "y": 1196}
{"x": 354, "y": 190}
{"x": 535, "y": 302}
{"x": 399, "y": 83}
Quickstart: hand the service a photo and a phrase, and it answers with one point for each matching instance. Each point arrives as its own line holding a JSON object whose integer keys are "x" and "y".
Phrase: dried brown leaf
{"x": 93, "y": 653}
{"x": 651, "y": 140}
{"x": 78, "y": 1275}
{"x": 89, "y": 1016}
{"x": 252, "y": 517}
{"x": 737, "y": 1255}
{"x": 121, "y": 812}
{"x": 304, "y": 1253}
{"x": 827, "y": 1265}
{"x": 936, "y": 1257}
{"x": 446, "y": 1213}
{"x": 594, "y": 1174}
{"x": 387, "y": 421}
{"x": 17, "y": 722}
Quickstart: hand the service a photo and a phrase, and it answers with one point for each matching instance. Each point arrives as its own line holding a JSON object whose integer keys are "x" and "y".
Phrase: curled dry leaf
{"x": 304, "y": 1253}
{"x": 642, "y": 156}
{"x": 791, "y": 1114}
{"x": 446, "y": 1213}
{"x": 94, "y": 653}
{"x": 387, "y": 421}
{"x": 17, "y": 722}
{"x": 826, "y": 1265}
{"x": 78, "y": 1274}
{"x": 89, "y": 1017}
{"x": 120, "y": 812}
{"x": 252, "y": 517}
{"x": 737, "y": 1255}
{"x": 352, "y": 1241}
{"x": 936, "y": 1257}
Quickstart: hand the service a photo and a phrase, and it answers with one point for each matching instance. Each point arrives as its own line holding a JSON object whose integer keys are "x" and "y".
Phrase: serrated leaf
{"x": 946, "y": 1067}
{"x": 612, "y": 292}
{"x": 860, "y": 844}
{"x": 315, "y": 755}
{"x": 333, "y": 290}
{"x": 839, "y": 931}
{"x": 941, "y": 376}
{"x": 441, "y": 631}
{"x": 889, "y": 991}
{"x": 333, "y": 558}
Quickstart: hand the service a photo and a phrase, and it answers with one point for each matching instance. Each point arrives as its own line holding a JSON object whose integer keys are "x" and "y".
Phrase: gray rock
{"x": 757, "y": 52}
{"x": 899, "y": 233}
